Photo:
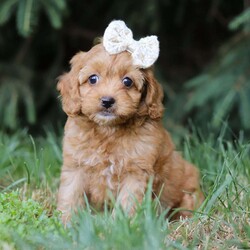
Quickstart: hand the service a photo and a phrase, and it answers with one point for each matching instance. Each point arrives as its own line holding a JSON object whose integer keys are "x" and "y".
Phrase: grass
{"x": 29, "y": 177}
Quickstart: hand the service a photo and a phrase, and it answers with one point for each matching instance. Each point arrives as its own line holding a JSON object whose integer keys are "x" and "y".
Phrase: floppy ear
{"x": 68, "y": 86}
{"x": 152, "y": 99}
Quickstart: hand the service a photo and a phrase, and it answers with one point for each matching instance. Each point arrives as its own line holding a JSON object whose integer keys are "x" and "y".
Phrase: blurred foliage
{"x": 38, "y": 38}
{"x": 14, "y": 91}
{"x": 241, "y": 21}
{"x": 27, "y": 13}
{"x": 222, "y": 91}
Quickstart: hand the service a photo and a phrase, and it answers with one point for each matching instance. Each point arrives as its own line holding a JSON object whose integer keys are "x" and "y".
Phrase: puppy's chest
{"x": 101, "y": 163}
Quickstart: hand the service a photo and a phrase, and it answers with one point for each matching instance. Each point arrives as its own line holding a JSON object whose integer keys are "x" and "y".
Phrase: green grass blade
{"x": 14, "y": 184}
{"x": 217, "y": 193}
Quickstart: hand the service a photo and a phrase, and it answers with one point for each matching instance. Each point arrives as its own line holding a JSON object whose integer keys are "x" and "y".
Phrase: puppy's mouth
{"x": 105, "y": 116}
{"x": 107, "y": 113}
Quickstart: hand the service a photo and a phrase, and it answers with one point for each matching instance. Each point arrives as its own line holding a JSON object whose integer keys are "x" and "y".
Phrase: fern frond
{"x": 8, "y": 112}
{"x": 29, "y": 104}
{"x": 15, "y": 91}
{"x": 198, "y": 80}
{"x": 240, "y": 20}
{"x": 224, "y": 85}
{"x": 26, "y": 16}
{"x": 244, "y": 108}
{"x": 222, "y": 108}
{"x": 60, "y": 4}
{"x": 6, "y": 9}
{"x": 209, "y": 89}
{"x": 54, "y": 12}
{"x": 10, "y": 116}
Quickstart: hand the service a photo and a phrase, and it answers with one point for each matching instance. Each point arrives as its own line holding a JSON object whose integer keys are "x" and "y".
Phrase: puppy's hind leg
{"x": 192, "y": 194}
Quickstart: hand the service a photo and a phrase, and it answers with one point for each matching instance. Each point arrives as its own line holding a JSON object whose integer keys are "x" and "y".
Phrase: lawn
{"x": 29, "y": 177}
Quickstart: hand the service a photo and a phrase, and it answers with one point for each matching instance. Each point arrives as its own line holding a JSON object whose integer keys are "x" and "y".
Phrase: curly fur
{"x": 117, "y": 151}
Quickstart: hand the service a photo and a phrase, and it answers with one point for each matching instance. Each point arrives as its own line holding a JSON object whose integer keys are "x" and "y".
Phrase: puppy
{"x": 114, "y": 140}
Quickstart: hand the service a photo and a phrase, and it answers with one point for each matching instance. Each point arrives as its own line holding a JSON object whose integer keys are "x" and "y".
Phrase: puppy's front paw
{"x": 65, "y": 217}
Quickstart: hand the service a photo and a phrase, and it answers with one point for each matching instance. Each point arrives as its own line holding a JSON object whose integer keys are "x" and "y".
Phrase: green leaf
{"x": 209, "y": 90}
{"x": 30, "y": 105}
{"x": 26, "y": 16}
{"x": 6, "y": 9}
{"x": 197, "y": 81}
{"x": 223, "y": 107}
{"x": 15, "y": 91}
{"x": 60, "y": 4}
{"x": 53, "y": 13}
{"x": 240, "y": 20}
{"x": 11, "y": 110}
{"x": 245, "y": 106}
{"x": 217, "y": 193}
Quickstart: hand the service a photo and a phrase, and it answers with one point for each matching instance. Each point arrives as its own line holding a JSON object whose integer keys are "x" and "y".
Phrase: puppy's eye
{"x": 93, "y": 79}
{"x": 127, "y": 82}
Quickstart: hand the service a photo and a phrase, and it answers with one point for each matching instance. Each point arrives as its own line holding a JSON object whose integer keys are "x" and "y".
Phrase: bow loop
{"x": 118, "y": 38}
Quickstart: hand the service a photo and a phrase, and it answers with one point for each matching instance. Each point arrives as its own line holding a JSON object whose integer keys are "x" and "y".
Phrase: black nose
{"x": 107, "y": 101}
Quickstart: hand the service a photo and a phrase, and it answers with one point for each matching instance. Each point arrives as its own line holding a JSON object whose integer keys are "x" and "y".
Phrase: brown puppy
{"x": 114, "y": 140}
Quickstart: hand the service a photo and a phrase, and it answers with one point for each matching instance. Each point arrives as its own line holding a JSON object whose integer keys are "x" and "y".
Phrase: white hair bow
{"x": 118, "y": 38}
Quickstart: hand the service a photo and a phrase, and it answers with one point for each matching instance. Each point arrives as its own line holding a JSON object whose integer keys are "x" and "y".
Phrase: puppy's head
{"x": 109, "y": 89}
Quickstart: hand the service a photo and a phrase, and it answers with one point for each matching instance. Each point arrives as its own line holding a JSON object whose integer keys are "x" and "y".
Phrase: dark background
{"x": 204, "y": 61}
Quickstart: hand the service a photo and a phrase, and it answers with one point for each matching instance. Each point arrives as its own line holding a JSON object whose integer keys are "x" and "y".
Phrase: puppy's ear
{"x": 152, "y": 98}
{"x": 68, "y": 85}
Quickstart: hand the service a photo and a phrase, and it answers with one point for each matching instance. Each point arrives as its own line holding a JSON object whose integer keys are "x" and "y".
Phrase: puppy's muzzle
{"x": 107, "y": 101}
